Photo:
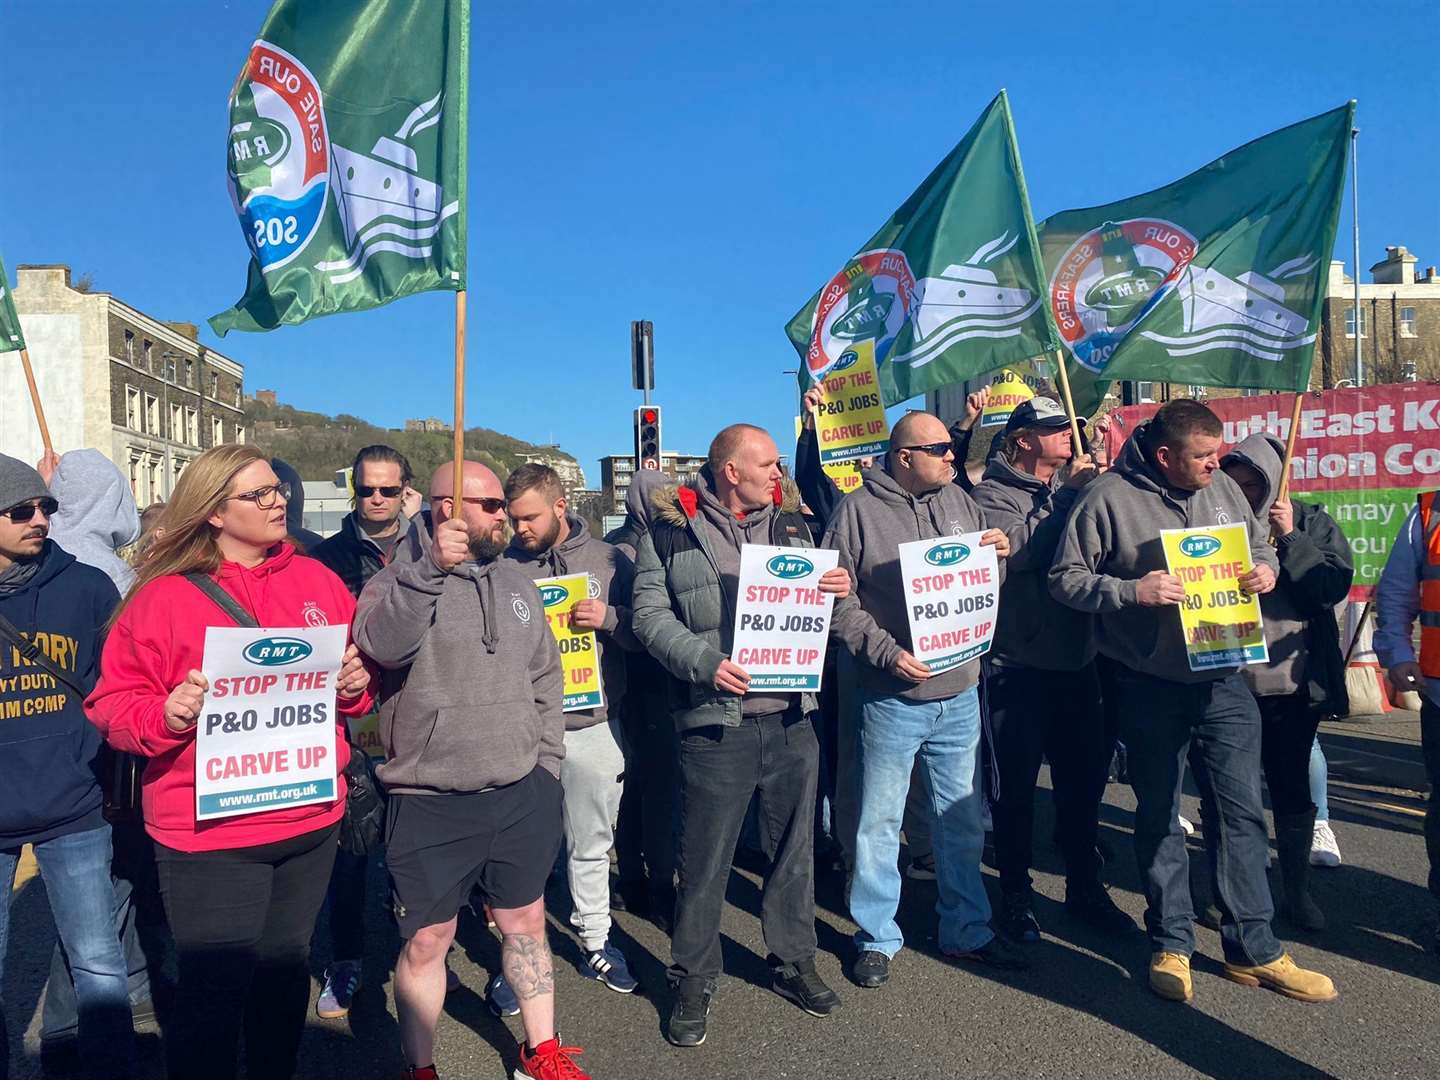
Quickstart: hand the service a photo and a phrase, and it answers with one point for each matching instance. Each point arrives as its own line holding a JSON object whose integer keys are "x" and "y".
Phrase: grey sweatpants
{"x": 590, "y": 775}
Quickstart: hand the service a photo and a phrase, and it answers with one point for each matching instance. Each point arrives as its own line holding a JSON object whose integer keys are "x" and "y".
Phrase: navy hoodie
{"x": 49, "y": 770}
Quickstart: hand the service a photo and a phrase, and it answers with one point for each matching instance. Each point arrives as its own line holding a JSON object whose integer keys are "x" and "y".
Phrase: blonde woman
{"x": 241, "y": 893}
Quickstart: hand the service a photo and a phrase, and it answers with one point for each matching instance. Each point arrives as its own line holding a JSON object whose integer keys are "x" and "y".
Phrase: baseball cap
{"x": 1041, "y": 412}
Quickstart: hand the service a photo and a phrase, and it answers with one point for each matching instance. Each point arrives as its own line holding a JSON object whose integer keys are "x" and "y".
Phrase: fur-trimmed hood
{"x": 677, "y": 504}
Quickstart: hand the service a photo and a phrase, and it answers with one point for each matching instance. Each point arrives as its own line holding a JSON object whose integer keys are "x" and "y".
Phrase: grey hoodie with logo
{"x": 1112, "y": 540}
{"x": 873, "y": 622}
{"x": 472, "y": 689}
{"x": 611, "y": 576}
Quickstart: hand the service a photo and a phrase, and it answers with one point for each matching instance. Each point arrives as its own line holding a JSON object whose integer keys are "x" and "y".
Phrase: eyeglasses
{"x": 490, "y": 506}
{"x": 264, "y": 497}
{"x": 390, "y": 491}
{"x": 939, "y": 449}
{"x": 25, "y": 511}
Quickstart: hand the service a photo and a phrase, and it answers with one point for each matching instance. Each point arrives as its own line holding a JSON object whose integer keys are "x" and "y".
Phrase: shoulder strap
{"x": 35, "y": 655}
{"x": 223, "y": 600}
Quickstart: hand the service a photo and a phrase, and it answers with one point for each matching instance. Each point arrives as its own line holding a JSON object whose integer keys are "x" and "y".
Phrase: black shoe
{"x": 1017, "y": 921}
{"x": 1091, "y": 904}
{"x": 806, "y": 989}
{"x": 662, "y": 909}
{"x": 631, "y": 896}
{"x": 997, "y": 953}
{"x": 870, "y": 969}
{"x": 688, "y": 1017}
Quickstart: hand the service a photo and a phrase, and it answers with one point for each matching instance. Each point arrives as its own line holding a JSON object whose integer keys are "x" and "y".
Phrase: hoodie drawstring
{"x": 488, "y": 602}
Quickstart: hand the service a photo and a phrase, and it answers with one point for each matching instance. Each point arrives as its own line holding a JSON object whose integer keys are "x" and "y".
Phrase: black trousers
{"x": 242, "y": 921}
{"x": 777, "y": 758}
{"x": 1430, "y": 746}
{"x": 1055, "y": 715}
{"x": 1288, "y": 723}
{"x": 645, "y": 833}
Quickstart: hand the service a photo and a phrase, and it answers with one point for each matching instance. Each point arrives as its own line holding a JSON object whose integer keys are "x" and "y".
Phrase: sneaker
{"x": 1091, "y": 904}
{"x": 997, "y": 953}
{"x": 1324, "y": 850}
{"x": 500, "y": 998}
{"x": 342, "y": 981}
{"x": 688, "y": 1017}
{"x": 806, "y": 989}
{"x": 607, "y": 964}
{"x": 550, "y": 1061}
{"x": 870, "y": 969}
{"x": 921, "y": 868}
{"x": 1170, "y": 976}
{"x": 420, "y": 1072}
{"x": 1017, "y": 920}
{"x": 1286, "y": 977}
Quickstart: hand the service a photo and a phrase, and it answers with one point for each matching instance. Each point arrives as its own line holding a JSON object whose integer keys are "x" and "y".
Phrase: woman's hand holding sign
{"x": 997, "y": 539}
{"x": 1159, "y": 589}
{"x": 182, "y": 707}
{"x": 354, "y": 675}
{"x": 1258, "y": 581}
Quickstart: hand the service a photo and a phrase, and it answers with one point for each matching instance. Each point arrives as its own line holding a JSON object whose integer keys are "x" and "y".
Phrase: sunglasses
{"x": 25, "y": 511}
{"x": 390, "y": 491}
{"x": 939, "y": 449}
{"x": 264, "y": 497}
{"x": 490, "y": 506}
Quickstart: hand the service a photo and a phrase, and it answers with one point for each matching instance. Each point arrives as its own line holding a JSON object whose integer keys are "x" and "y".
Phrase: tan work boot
{"x": 1283, "y": 976}
{"x": 1170, "y": 976}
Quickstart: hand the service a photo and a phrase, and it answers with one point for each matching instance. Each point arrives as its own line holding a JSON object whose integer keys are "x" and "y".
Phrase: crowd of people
{"x": 488, "y": 781}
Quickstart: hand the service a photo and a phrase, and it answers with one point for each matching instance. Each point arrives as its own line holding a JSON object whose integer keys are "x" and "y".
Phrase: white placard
{"x": 782, "y": 619}
{"x": 952, "y": 591}
{"x": 266, "y": 734}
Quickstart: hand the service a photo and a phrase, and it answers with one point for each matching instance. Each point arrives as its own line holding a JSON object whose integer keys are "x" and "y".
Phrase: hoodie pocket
{"x": 51, "y": 779}
{"x": 476, "y": 747}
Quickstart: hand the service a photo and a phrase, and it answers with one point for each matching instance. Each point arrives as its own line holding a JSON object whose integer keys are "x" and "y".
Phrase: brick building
{"x": 144, "y": 392}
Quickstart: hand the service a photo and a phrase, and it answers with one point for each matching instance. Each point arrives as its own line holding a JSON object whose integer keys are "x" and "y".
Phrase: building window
{"x": 192, "y": 427}
{"x": 240, "y": 434}
{"x": 217, "y": 431}
{"x": 189, "y": 372}
{"x": 1144, "y": 392}
{"x": 237, "y": 395}
{"x": 130, "y": 347}
{"x": 1350, "y": 322}
{"x": 132, "y": 409}
{"x": 1195, "y": 391}
{"x": 145, "y": 351}
{"x": 1407, "y": 322}
{"x": 170, "y": 367}
{"x": 1250, "y": 391}
{"x": 177, "y": 424}
{"x": 152, "y": 414}
{"x": 215, "y": 385}
{"x": 135, "y": 479}
{"x": 156, "y": 491}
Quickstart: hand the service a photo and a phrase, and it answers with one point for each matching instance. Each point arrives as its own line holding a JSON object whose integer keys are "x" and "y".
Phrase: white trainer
{"x": 1324, "y": 850}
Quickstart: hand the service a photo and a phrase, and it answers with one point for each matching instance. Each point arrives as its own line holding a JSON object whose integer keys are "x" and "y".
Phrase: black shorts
{"x": 439, "y": 847}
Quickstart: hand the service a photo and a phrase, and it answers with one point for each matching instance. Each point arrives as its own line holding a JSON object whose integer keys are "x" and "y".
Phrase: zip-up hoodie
{"x": 872, "y": 622}
{"x": 1112, "y": 540}
{"x": 611, "y": 576}
{"x": 158, "y": 639}
{"x": 49, "y": 779}
{"x": 97, "y": 513}
{"x": 472, "y": 693}
{"x": 1032, "y": 629}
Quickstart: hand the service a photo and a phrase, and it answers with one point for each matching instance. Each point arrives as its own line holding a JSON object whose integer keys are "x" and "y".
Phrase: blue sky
{"x": 706, "y": 167}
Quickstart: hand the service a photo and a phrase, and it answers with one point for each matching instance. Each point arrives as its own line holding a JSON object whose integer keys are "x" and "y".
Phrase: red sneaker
{"x": 417, "y": 1073}
{"x": 550, "y": 1061}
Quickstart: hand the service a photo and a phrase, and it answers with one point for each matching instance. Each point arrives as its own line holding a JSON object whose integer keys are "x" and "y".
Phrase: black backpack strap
{"x": 35, "y": 655}
{"x": 223, "y": 600}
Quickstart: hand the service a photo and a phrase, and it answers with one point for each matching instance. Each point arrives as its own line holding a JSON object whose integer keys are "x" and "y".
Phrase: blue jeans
{"x": 945, "y": 736}
{"x": 76, "y": 869}
{"x": 1319, "y": 781}
{"x": 1218, "y": 724}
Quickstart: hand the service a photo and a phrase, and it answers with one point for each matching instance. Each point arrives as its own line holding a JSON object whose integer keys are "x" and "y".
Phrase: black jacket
{"x": 1316, "y": 572}
{"x": 351, "y": 555}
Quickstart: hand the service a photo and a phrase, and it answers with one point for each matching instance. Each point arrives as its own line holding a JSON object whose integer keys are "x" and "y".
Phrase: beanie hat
{"x": 19, "y": 483}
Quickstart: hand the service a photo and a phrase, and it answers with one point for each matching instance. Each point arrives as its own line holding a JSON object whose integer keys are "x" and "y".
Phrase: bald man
{"x": 906, "y": 711}
{"x": 471, "y": 722}
{"x": 734, "y": 744}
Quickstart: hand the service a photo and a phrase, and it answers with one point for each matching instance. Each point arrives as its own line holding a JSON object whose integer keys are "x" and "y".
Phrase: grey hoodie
{"x": 97, "y": 513}
{"x": 1033, "y": 629}
{"x": 612, "y": 573}
{"x": 472, "y": 689}
{"x": 1112, "y": 540}
{"x": 872, "y": 622}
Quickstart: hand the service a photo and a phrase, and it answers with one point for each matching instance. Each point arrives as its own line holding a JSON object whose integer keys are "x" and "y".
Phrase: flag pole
{"x": 35, "y": 400}
{"x": 1069, "y": 401}
{"x": 457, "y": 490}
{"x": 1290, "y": 445}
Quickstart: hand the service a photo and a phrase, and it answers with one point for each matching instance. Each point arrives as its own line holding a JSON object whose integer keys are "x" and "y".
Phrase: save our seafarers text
{"x": 579, "y": 656}
{"x": 1221, "y": 621}
{"x": 850, "y": 422}
{"x": 782, "y": 619}
{"x": 952, "y": 590}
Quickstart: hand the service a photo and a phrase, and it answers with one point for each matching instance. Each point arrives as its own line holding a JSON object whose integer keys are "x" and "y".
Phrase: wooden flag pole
{"x": 457, "y": 490}
{"x": 1290, "y": 446}
{"x": 35, "y": 400}
{"x": 1064, "y": 378}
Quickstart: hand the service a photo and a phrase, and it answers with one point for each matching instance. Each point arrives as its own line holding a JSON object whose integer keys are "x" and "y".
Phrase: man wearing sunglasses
{"x": 52, "y": 613}
{"x": 905, "y": 711}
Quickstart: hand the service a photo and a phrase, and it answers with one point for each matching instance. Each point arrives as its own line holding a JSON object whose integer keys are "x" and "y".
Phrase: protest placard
{"x": 845, "y": 475}
{"x": 782, "y": 619}
{"x": 1221, "y": 622}
{"x": 265, "y": 738}
{"x": 579, "y": 656}
{"x": 952, "y": 590}
{"x": 1010, "y": 388}
{"x": 850, "y": 422}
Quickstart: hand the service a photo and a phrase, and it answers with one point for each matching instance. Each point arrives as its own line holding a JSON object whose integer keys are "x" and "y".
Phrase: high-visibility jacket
{"x": 1430, "y": 588}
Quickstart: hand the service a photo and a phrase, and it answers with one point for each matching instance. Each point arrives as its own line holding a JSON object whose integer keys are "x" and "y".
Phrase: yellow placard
{"x": 845, "y": 475}
{"x": 579, "y": 656}
{"x": 1010, "y": 388}
{"x": 850, "y": 422}
{"x": 365, "y": 733}
{"x": 1221, "y": 622}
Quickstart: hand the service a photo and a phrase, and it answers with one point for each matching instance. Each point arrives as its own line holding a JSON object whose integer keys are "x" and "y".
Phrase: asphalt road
{"x": 1082, "y": 1011}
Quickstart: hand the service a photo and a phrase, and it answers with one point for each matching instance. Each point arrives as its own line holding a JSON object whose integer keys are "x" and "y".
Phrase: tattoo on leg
{"x": 527, "y": 964}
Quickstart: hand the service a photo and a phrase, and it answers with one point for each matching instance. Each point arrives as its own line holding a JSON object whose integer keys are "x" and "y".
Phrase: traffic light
{"x": 642, "y": 355}
{"x": 647, "y": 437}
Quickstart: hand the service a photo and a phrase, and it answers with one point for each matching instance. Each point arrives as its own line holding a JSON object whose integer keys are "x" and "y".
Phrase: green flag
{"x": 347, "y": 157}
{"x": 10, "y": 336}
{"x": 1215, "y": 280}
{"x": 950, "y": 287}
